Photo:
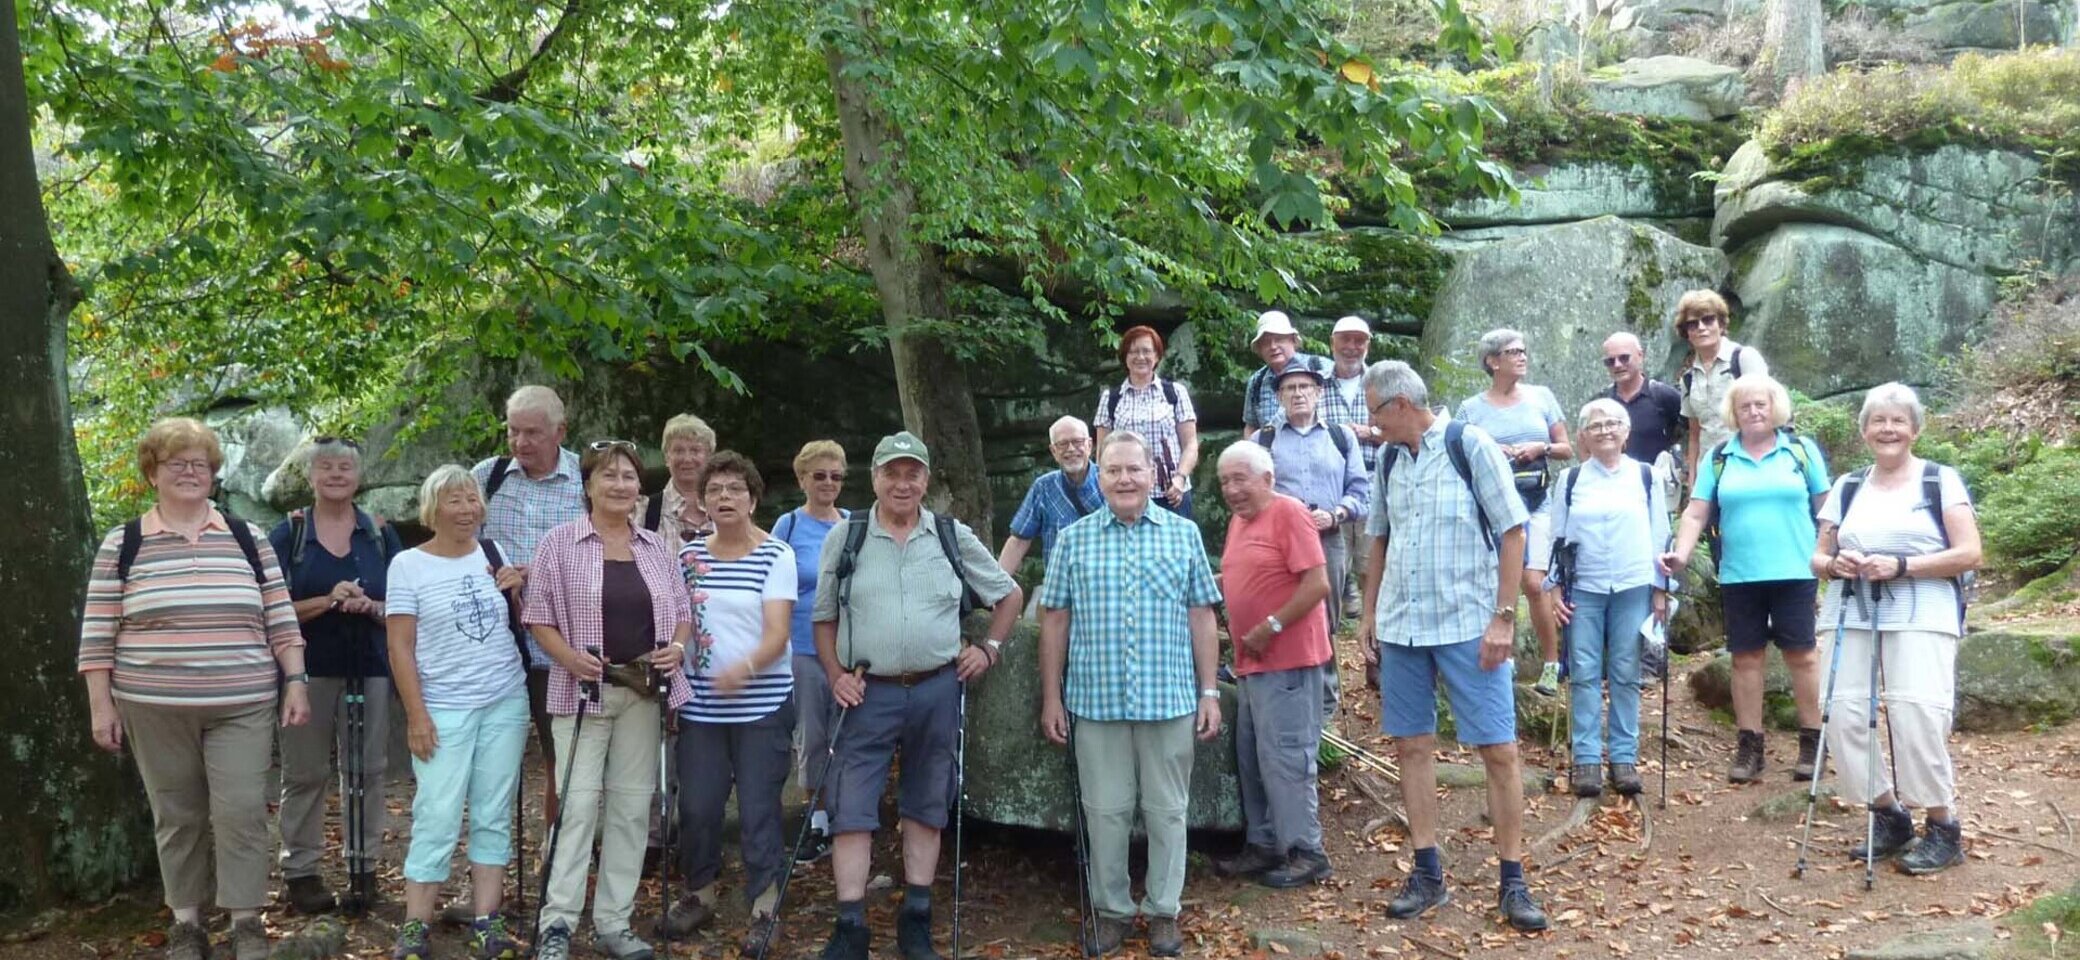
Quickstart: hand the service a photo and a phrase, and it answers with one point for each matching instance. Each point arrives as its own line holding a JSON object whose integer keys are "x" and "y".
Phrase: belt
{"x": 909, "y": 679}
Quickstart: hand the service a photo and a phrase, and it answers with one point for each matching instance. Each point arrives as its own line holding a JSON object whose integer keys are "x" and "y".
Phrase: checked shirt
{"x": 1048, "y": 508}
{"x": 564, "y": 592}
{"x": 1129, "y": 588}
{"x": 526, "y": 509}
{"x": 1438, "y": 585}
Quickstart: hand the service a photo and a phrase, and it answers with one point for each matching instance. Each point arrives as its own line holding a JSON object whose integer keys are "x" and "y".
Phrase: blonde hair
{"x": 816, "y": 450}
{"x": 686, "y": 426}
{"x": 537, "y": 399}
{"x": 443, "y": 479}
{"x": 1779, "y": 399}
{"x": 1700, "y": 303}
{"x": 173, "y": 435}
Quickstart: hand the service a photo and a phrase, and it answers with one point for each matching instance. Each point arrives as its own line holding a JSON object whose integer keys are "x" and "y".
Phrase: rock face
{"x": 1980, "y": 24}
{"x": 1669, "y": 86}
{"x": 256, "y": 440}
{"x": 2005, "y": 681}
{"x": 1566, "y": 287}
{"x": 1568, "y": 192}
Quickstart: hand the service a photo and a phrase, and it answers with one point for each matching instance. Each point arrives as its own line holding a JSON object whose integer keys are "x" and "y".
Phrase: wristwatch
{"x": 995, "y": 646}
{"x": 1209, "y": 694}
{"x": 301, "y": 676}
{"x": 1272, "y": 622}
{"x": 1507, "y": 614}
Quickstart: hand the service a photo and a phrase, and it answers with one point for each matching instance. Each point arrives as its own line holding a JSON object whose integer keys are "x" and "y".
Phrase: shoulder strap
{"x": 949, "y": 541}
{"x": 497, "y": 560}
{"x": 1932, "y": 498}
{"x": 1388, "y": 456}
{"x": 298, "y": 529}
{"x": 1646, "y": 482}
{"x": 653, "y": 515}
{"x": 1075, "y": 492}
{"x": 848, "y": 555}
{"x": 1567, "y": 487}
{"x": 786, "y": 518}
{"x": 1850, "y": 485}
{"x": 1455, "y": 449}
{"x": 1341, "y": 437}
{"x": 1169, "y": 392}
{"x": 1112, "y": 406}
{"x": 1264, "y": 436}
{"x": 126, "y": 555}
{"x": 497, "y": 478}
{"x": 242, "y": 532}
{"x": 1735, "y": 362}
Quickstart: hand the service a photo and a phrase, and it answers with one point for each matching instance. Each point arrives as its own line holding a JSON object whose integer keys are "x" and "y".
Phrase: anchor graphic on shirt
{"x": 474, "y": 615}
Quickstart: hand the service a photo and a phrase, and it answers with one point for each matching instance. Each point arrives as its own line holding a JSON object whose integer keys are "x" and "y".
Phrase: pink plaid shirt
{"x": 563, "y": 591}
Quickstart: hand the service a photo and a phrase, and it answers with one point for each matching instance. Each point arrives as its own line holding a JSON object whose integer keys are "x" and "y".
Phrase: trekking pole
{"x": 355, "y": 839}
{"x": 960, "y": 792}
{"x": 1870, "y": 779}
{"x": 1834, "y": 667}
{"x": 662, "y": 684}
{"x": 588, "y": 692}
{"x": 859, "y": 669}
{"x": 1086, "y": 922}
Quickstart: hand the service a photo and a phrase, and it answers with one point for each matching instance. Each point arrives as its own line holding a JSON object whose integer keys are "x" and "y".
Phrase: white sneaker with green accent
{"x": 1548, "y": 681}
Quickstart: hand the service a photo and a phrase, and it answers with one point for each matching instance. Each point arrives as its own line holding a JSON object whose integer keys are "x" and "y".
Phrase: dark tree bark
{"x": 931, "y": 383}
{"x": 74, "y": 823}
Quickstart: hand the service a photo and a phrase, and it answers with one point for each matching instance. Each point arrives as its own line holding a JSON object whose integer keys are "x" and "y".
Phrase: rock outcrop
{"x": 1669, "y": 86}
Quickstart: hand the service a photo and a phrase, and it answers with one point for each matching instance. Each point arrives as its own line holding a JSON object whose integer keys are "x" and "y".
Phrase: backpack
{"x": 1112, "y": 399}
{"x": 1455, "y": 450}
{"x": 1338, "y": 434}
{"x": 1646, "y": 479}
{"x": 856, "y": 537}
{"x": 1733, "y": 363}
{"x": 133, "y": 540}
{"x": 653, "y": 515}
{"x": 299, "y": 520}
{"x": 1932, "y": 502}
{"x": 497, "y": 560}
{"x": 1799, "y": 457}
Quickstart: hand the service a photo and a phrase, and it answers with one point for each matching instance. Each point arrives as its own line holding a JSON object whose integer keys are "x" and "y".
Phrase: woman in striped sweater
{"x": 187, "y": 644}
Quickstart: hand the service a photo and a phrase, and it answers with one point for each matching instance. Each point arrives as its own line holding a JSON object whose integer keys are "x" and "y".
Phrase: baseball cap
{"x": 1352, "y": 325}
{"x": 1273, "y": 323}
{"x": 898, "y": 446}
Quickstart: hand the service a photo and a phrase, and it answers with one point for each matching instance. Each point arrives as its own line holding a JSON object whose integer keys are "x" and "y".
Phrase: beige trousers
{"x": 205, "y": 771}
{"x": 1919, "y": 689}
{"x": 616, "y": 754}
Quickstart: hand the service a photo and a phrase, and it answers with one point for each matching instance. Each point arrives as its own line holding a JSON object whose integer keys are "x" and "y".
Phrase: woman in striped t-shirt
{"x": 186, "y": 637}
{"x": 739, "y": 726}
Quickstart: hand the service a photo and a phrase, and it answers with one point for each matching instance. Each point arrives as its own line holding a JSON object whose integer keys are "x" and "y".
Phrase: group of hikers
{"x": 667, "y": 650}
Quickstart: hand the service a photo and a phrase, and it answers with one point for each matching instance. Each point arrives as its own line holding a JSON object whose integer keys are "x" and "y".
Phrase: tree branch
{"x": 507, "y": 89}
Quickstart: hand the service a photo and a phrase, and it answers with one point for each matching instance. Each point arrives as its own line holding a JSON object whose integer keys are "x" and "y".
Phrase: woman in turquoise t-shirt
{"x": 1765, "y": 484}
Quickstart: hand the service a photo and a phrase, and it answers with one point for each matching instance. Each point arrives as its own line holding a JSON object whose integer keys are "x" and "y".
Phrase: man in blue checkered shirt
{"x": 1058, "y": 498}
{"x": 1127, "y": 614}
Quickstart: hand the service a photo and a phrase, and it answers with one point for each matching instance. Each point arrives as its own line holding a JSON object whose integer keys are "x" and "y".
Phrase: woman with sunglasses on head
{"x": 607, "y": 602}
{"x": 1715, "y": 363}
{"x": 336, "y": 560}
{"x": 1158, "y": 409}
{"x": 820, "y": 469}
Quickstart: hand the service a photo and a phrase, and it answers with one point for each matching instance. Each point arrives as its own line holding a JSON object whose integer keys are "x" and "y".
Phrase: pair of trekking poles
{"x": 1864, "y": 592}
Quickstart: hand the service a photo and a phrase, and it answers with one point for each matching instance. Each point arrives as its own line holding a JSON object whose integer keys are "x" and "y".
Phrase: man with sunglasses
{"x": 1058, "y": 498}
{"x": 1656, "y": 408}
{"x": 1715, "y": 362}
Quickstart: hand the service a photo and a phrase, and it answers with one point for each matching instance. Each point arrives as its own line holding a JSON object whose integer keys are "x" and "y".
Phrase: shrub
{"x": 2028, "y": 516}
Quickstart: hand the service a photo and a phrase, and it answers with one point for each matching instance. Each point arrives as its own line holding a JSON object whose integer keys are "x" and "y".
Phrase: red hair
{"x": 1126, "y": 341}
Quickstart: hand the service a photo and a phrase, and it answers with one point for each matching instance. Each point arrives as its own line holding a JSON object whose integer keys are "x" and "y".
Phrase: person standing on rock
{"x": 1126, "y": 624}
{"x": 1277, "y": 343}
{"x": 1715, "y": 363}
{"x": 1058, "y": 498}
{"x": 1441, "y": 586}
{"x": 1274, "y": 577}
{"x": 897, "y": 617}
{"x": 1654, "y": 408}
{"x": 1343, "y": 405}
{"x": 1905, "y": 527}
{"x": 1159, "y": 410}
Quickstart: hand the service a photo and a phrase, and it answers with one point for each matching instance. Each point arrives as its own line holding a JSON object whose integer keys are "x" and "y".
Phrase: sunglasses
{"x": 329, "y": 440}
{"x": 826, "y": 476}
{"x": 1686, "y": 325}
{"x": 1617, "y": 361}
{"x": 598, "y": 446}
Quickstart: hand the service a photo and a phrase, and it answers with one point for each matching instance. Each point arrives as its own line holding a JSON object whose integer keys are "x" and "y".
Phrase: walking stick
{"x": 355, "y": 839}
{"x": 960, "y": 791}
{"x": 662, "y": 684}
{"x": 859, "y": 669}
{"x": 588, "y": 692}
{"x": 1086, "y": 923}
{"x": 1870, "y": 779}
{"x": 1834, "y": 667}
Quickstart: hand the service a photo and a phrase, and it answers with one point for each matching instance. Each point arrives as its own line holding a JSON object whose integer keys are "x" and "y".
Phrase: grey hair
{"x": 1118, "y": 437}
{"x": 1082, "y": 429}
{"x": 1606, "y": 405}
{"x": 443, "y": 479}
{"x": 332, "y": 449}
{"x": 1626, "y": 336}
{"x": 1897, "y": 396}
{"x": 538, "y": 399}
{"x": 1253, "y": 455}
{"x": 1492, "y": 344}
{"x": 1388, "y": 379}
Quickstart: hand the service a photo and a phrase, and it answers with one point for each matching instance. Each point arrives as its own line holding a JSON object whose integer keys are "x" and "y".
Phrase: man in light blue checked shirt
{"x": 1127, "y": 610}
{"x": 1448, "y": 612}
{"x": 1058, "y": 498}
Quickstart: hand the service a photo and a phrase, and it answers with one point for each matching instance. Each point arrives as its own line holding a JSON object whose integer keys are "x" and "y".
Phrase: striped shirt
{"x": 564, "y": 591}
{"x": 190, "y": 627}
{"x": 1439, "y": 583}
{"x": 1896, "y": 521}
{"x": 1343, "y": 404}
{"x": 1146, "y": 411}
{"x": 1129, "y": 589}
{"x": 526, "y": 509}
{"x": 733, "y": 625}
{"x": 461, "y": 644}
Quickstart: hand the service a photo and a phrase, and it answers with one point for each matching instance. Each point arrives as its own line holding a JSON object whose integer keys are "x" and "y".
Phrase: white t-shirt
{"x": 465, "y": 648}
{"x": 734, "y": 616}
{"x": 1896, "y": 521}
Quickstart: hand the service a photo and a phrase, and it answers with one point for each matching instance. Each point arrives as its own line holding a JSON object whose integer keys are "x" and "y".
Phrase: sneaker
{"x": 1586, "y": 779}
{"x": 759, "y": 937}
{"x": 848, "y": 942}
{"x": 1107, "y": 933}
{"x": 818, "y": 847}
{"x": 1520, "y": 910}
{"x": 1941, "y": 848}
{"x": 1747, "y": 758}
{"x": 1892, "y": 833}
{"x": 308, "y": 896}
{"x": 1251, "y": 861}
{"x": 1548, "y": 681}
{"x": 490, "y": 940}
{"x": 1304, "y": 867}
{"x": 914, "y": 935}
{"x": 1808, "y": 754}
{"x": 413, "y": 942}
{"x": 249, "y": 939}
{"x": 622, "y": 944}
{"x": 1625, "y": 779}
{"x": 1164, "y": 939}
{"x": 1419, "y": 894}
{"x": 188, "y": 941}
{"x": 686, "y": 916}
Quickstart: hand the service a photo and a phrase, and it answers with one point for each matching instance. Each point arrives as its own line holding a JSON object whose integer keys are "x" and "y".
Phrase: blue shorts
{"x": 1484, "y": 702}
{"x": 923, "y": 720}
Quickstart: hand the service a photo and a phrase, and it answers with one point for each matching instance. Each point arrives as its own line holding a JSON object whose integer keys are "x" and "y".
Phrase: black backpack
{"x": 133, "y": 540}
{"x": 1733, "y": 363}
{"x": 1112, "y": 400}
{"x": 1932, "y": 503}
{"x": 1455, "y": 450}
{"x": 1799, "y": 455}
{"x": 856, "y": 537}
{"x": 1338, "y": 434}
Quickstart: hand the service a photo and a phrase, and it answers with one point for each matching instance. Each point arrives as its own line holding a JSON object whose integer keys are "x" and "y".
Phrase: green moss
{"x": 1648, "y": 276}
{"x": 1395, "y": 280}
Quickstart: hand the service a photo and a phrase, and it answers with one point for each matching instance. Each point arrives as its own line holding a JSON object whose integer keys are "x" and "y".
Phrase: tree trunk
{"x": 931, "y": 383}
{"x": 1791, "y": 44}
{"x": 75, "y": 822}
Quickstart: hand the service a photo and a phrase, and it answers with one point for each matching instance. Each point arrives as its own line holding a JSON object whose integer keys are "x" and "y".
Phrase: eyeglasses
{"x": 1620, "y": 360}
{"x": 601, "y": 446}
{"x": 825, "y": 476}
{"x": 187, "y": 466}
{"x": 1517, "y": 351}
{"x": 1075, "y": 444}
{"x": 1602, "y": 426}
{"x": 726, "y": 489}
{"x": 329, "y": 440}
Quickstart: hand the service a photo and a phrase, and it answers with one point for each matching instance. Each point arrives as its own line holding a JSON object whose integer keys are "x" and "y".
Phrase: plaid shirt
{"x": 1439, "y": 583}
{"x": 1048, "y": 509}
{"x": 526, "y": 509}
{"x": 1129, "y": 589}
{"x": 1260, "y": 394}
{"x": 1343, "y": 404}
{"x": 563, "y": 591}
{"x": 1147, "y": 412}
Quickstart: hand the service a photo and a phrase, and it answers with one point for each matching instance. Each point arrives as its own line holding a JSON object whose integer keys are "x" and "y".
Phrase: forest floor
{"x": 1717, "y": 876}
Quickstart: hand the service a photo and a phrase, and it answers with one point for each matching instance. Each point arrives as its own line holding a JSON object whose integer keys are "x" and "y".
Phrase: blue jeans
{"x": 1603, "y": 644}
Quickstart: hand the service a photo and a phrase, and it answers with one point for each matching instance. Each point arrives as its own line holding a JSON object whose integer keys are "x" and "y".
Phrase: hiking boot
{"x": 413, "y": 942}
{"x": 1419, "y": 893}
{"x": 308, "y": 896}
{"x": 490, "y": 940}
{"x": 1164, "y": 939}
{"x": 1625, "y": 779}
{"x": 1941, "y": 848}
{"x": 1303, "y": 868}
{"x": 1586, "y": 779}
{"x": 1747, "y": 758}
{"x": 359, "y": 904}
{"x": 848, "y": 941}
{"x": 1251, "y": 861}
{"x": 1519, "y": 909}
{"x": 1107, "y": 934}
{"x": 686, "y": 916}
{"x": 622, "y": 944}
{"x": 1892, "y": 833}
{"x": 1808, "y": 754}
{"x": 187, "y": 941}
{"x": 819, "y": 847}
{"x": 764, "y": 930}
{"x": 914, "y": 935}
{"x": 555, "y": 943}
{"x": 1548, "y": 681}
{"x": 249, "y": 939}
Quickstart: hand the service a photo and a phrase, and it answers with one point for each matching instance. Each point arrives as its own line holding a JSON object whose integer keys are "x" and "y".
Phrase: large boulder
{"x": 2006, "y": 680}
{"x": 1956, "y": 25}
{"x": 1684, "y": 88}
{"x": 256, "y": 440}
{"x": 1581, "y": 191}
{"x": 1566, "y": 287}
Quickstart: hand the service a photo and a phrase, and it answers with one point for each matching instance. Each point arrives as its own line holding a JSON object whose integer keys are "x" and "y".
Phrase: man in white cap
{"x": 1343, "y": 404}
{"x": 1278, "y": 344}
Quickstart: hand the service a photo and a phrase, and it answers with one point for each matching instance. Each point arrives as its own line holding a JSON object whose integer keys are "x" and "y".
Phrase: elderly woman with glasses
{"x": 1715, "y": 363}
{"x": 1608, "y": 516}
{"x": 1526, "y": 420}
{"x": 1158, "y": 409}
{"x": 820, "y": 470}
{"x": 607, "y": 602}
{"x": 336, "y": 560}
{"x": 187, "y": 644}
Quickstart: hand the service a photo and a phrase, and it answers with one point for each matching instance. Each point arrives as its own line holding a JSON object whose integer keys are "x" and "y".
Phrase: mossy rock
{"x": 1712, "y": 685}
